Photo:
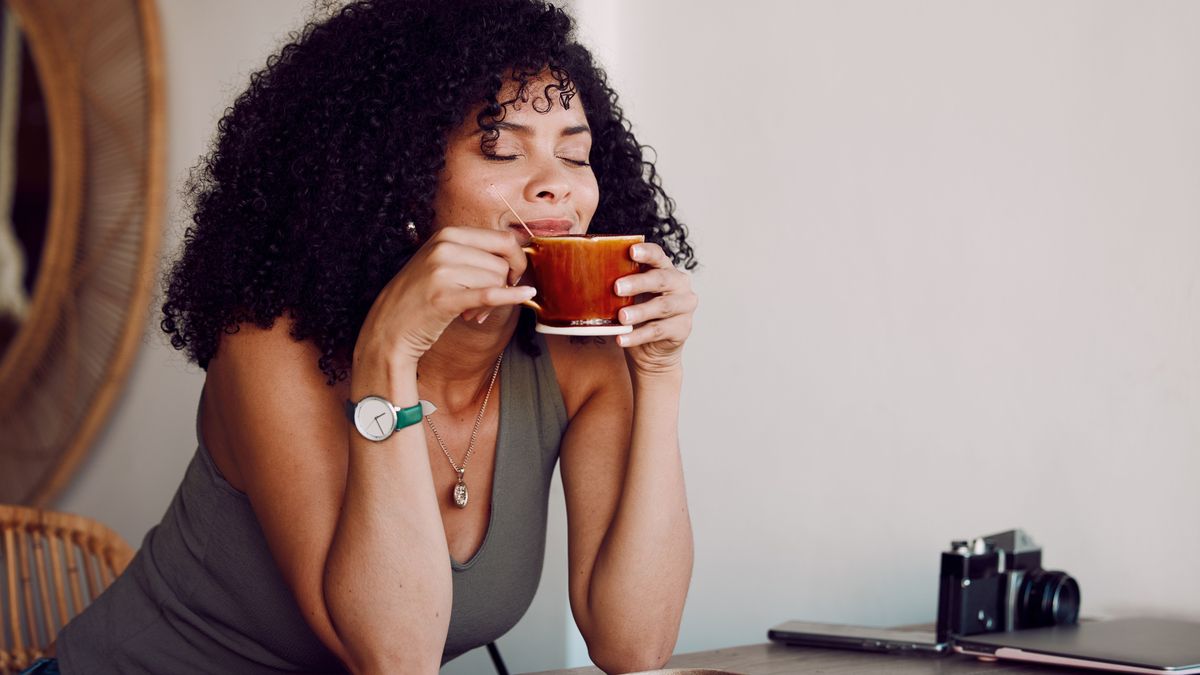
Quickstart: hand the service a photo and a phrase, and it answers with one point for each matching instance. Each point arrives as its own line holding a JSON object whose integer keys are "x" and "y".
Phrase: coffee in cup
{"x": 575, "y": 275}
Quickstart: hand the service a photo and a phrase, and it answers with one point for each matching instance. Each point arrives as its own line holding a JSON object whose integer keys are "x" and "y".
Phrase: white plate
{"x": 583, "y": 330}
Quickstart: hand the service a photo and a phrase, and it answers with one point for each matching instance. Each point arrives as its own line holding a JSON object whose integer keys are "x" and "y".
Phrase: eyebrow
{"x": 522, "y": 129}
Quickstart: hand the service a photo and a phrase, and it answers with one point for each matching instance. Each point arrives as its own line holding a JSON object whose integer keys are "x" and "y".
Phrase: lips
{"x": 545, "y": 227}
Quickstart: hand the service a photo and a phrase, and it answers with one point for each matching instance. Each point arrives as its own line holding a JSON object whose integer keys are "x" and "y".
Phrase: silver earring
{"x": 410, "y": 229}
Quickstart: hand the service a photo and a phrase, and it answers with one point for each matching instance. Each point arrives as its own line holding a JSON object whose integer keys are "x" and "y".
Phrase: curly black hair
{"x": 301, "y": 206}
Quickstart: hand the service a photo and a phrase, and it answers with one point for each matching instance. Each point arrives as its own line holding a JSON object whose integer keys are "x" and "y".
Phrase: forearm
{"x": 642, "y": 570}
{"x": 387, "y": 573}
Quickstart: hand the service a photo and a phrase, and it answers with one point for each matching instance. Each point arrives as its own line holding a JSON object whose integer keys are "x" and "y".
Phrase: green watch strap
{"x": 406, "y": 417}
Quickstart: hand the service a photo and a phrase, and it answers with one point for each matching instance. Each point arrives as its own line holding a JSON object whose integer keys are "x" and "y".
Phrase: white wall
{"x": 950, "y": 286}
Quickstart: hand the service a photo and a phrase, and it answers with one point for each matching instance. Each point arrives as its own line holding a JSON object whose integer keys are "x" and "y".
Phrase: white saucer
{"x": 582, "y": 330}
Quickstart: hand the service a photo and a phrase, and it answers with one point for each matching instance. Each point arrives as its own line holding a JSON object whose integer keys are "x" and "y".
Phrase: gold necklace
{"x": 460, "y": 489}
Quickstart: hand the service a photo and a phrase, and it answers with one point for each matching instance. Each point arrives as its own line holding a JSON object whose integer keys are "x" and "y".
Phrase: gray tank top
{"x": 203, "y": 594}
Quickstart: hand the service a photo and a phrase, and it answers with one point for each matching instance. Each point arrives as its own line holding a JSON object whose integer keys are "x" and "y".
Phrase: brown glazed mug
{"x": 575, "y": 275}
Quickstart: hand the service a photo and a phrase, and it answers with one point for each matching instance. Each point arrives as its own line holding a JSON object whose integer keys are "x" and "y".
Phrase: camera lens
{"x": 1048, "y": 598}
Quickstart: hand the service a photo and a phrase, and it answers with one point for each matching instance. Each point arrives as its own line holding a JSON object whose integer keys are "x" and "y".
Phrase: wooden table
{"x": 773, "y": 659}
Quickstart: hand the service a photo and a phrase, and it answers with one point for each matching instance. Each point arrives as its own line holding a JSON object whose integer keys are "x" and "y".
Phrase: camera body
{"x": 996, "y": 583}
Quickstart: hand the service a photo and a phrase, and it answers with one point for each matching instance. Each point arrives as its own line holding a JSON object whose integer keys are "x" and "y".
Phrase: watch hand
{"x": 380, "y": 426}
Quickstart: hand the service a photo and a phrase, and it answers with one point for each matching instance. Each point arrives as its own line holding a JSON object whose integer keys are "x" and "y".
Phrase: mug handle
{"x": 530, "y": 251}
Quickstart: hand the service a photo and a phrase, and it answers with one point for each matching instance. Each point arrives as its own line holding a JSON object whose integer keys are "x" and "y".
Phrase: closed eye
{"x": 575, "y": 162}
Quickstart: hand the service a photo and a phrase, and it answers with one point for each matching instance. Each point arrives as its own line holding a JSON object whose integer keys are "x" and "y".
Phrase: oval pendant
{"x": 460, "y": 495}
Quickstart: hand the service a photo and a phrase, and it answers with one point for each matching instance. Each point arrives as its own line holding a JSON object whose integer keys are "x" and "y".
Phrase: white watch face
{"x": 375, "y": 418}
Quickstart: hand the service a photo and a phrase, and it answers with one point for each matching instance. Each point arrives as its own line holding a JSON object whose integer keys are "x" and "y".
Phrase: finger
{"x": 659, "y": 307}
{"x": 465, "y": 277}
{"x": 451, "y": 253}
{"x": 649, "y": 253}
{"x": 652, "y": 281}
{"x": 476, "y": 314}
{"x": 674, "y": 330}
{"x": 498, "y": 296}
{"x": 479, "y": 237}
{"x": 456, "y": 302}
{"x": 503, "y": 245}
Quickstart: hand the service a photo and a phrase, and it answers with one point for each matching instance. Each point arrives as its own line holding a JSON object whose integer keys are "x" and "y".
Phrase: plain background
{"x": 949, "y": 286}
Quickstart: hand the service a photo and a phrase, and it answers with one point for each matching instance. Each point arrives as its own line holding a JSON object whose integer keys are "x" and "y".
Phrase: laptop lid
{"x": 862, "y": 638}
{"x": 1123, "y": 645}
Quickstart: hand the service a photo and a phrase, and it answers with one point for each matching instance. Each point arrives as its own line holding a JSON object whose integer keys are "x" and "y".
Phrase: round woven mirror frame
{"x": 99, "y": 63}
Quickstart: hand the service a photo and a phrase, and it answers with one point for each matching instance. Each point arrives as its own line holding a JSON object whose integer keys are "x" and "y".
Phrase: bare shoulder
{"x": 267, "y": 358}
{"x": 586, "y": 367}
{"x": 251, "y": 343}
{"x": 258, "y": 378}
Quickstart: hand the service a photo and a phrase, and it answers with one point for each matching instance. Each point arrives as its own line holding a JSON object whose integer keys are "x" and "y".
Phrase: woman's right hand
{"x": 459, "y": 271}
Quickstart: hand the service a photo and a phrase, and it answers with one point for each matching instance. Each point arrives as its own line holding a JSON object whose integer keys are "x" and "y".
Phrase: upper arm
{"x": 282, "y": 429}
{"x": 593, "y": 454}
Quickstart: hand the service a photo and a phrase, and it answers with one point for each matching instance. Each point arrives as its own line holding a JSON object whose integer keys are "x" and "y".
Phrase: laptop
{"x": 1122, "y": 645}
{"x": 861, "y": 638}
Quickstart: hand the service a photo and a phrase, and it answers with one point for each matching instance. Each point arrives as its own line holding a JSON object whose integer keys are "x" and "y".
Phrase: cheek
{"x": 462, "y": 208}
{"x": 458, "y": 199}
{"x": 586, "y": 189}
{"x": 591, "y": 196}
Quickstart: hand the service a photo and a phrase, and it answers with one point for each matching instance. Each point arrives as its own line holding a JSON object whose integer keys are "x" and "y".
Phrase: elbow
{"x": 627, "y": 662}
{"x": 631, "y": 657}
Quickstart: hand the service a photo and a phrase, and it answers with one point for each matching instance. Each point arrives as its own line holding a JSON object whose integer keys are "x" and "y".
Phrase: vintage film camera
{"x": 996, "y": 583}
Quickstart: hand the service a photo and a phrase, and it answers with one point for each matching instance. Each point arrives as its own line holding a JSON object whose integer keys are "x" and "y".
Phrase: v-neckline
{"x": 499, "y": 456}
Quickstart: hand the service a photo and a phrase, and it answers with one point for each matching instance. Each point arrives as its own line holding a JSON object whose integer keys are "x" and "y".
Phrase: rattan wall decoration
{"x": 99, "y": 66}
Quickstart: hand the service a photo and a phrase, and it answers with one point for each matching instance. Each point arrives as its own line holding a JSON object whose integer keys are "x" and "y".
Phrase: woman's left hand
{"x": 662, "y": 323}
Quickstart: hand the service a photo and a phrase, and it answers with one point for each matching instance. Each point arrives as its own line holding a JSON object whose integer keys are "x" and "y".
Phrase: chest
{"x": 465, "y": 526}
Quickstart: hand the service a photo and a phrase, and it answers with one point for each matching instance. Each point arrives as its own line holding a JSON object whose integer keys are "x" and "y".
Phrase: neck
{"x": 455, "y": 372}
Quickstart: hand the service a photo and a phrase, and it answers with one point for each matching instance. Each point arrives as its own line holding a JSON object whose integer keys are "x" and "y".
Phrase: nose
{"x": 549, "y": 182}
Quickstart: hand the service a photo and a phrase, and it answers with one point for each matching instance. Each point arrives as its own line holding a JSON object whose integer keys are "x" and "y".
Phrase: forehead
{"x": 541, "y": 100}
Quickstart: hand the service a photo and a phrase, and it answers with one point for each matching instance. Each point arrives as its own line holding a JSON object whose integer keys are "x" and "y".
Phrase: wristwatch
{"x": 377, "y": 419}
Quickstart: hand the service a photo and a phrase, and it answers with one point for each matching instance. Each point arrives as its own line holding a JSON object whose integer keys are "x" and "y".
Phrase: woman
{"x": 349, "y": 241}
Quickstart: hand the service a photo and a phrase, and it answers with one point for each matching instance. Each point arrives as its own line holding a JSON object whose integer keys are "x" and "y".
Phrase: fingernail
{"x": 529, "y": 291}
{"x": 626, "y": 316}
{"x": 483, "y": 317}
{"x": 637, "y": 251}
{"x": 622, "y": 287}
